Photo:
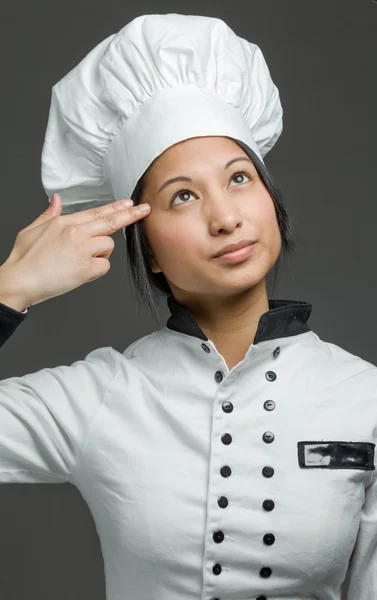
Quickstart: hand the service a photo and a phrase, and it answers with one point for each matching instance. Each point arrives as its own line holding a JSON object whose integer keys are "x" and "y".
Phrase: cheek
{"x": 265, "y": 224}
{"x": 178, "y": 242}
{"x": 170, "y": 242}
{"x": 263, "y": 210}
{"x": 263, "y": 217}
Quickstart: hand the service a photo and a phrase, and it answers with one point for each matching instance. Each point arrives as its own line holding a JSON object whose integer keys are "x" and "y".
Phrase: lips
{"x": 234, "y": 246}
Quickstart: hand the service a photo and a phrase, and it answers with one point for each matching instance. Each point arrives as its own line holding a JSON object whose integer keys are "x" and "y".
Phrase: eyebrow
{"x": 183, "y": 178}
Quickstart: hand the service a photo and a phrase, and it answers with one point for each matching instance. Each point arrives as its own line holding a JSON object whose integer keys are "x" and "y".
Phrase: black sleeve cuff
{"x": 10, "y": 319}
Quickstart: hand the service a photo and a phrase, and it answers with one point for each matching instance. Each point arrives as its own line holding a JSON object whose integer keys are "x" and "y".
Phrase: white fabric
{"x": 22, "y": 312}
{"x": 139, "y": 434}
{"x": 161, "y": 79}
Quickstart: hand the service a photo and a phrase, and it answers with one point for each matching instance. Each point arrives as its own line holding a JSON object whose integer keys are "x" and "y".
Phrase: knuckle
{"x": 96, "y": 212}
{"x": 110, "y": 221}
{"x": 111, "y": 243}
{"x": 70, "y": 230}
{"x": 103, "y": 266}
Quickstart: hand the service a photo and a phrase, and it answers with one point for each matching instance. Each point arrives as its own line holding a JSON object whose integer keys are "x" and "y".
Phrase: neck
{"x": 230, "y": 323}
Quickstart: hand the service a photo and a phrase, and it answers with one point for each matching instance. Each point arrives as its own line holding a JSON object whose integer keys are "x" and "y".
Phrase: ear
{"x": 153, "y": 264}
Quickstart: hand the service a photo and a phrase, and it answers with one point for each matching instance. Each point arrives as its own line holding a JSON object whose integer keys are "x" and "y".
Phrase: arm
{"x": 361, "y": 579}
{"x": 45, "y": 417}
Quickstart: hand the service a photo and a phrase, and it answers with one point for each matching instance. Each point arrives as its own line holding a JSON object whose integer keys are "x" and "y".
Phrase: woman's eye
{"x": 178, "y": 194}
{"x": 241, "y": 173}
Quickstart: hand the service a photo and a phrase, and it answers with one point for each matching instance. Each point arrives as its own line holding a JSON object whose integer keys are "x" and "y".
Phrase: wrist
{"x": 9, "y": 294}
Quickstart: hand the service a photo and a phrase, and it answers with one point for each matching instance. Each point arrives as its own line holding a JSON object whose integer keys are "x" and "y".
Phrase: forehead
{"x": 190, "y": 153}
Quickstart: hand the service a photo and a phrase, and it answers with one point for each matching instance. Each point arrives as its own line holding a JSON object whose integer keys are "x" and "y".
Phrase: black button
{"x": 218, "y": 537}
{"x": 222, "y": 502}
{"x": 269, "y": 539}
{"x": 225, "y": 471}
{"x": 218, "y": 376}
{"x": 276, "y": 352}
{"x": 268, "y": 471}
{"x": 259, "y": 598}
{"x": 269, "y": 405}
{"x": 226, "y": 439}
{"x": 268, "y": 504}
{"x": 271, "y": 375}
{"x": 268, "y": 437}
{"x": 265, "y": 572}
{"x": 227, "y": 407}
{"x": 216, "y": 569}
{"x": 219, "y": 598}
{"x": 206, "y": 349}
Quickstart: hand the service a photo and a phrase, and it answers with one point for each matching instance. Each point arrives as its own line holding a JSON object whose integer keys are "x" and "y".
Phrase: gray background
{"x": 322, "y": 57}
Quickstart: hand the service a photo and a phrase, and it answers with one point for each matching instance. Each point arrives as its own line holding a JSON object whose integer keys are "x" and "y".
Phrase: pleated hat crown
{"x": 161, "y": 79}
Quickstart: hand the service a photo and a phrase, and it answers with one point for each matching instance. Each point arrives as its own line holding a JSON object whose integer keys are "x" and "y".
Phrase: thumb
{"x": 54, "y": 208}
{"x": 55, "y": 205}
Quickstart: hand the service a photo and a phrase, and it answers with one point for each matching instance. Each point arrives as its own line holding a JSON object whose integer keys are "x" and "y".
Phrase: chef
{"x": 210, "y": 473}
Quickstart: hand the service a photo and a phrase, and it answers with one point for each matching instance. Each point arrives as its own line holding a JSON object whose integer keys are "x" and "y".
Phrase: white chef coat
{"x": 205, "y": 483}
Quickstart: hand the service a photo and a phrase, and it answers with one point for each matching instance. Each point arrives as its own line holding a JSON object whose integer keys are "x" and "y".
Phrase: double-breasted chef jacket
{"x": 257, "y": 483}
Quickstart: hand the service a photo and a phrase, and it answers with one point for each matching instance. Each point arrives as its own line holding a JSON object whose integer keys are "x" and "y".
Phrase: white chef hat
{"x": 160, "y": 80}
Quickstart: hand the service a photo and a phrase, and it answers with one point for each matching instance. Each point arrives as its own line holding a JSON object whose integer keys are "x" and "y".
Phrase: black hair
{"x": 149, "y": 286}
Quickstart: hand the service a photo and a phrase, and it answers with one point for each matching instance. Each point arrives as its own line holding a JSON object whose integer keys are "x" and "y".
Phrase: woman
{"x": 229, "y": 454}
{"x": 227, "y": 295}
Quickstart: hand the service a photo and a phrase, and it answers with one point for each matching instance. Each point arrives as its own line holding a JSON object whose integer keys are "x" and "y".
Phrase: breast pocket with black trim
{"x": 336, "y": 455}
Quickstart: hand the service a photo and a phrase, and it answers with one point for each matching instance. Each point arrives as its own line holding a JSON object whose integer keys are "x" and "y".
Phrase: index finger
{"x": 90, "y": 214}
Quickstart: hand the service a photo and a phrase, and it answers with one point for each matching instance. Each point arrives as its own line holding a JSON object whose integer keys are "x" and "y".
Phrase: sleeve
{"x": 361, "y": 578}
{"x": 45, "y": 417}
{"x": 10, "y": 319}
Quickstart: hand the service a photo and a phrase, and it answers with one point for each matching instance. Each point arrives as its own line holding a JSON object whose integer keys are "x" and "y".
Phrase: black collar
{"x": 284, "y": 318}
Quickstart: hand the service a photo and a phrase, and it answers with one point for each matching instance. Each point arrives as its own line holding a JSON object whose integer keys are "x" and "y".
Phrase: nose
{"x": 223, "y": 210}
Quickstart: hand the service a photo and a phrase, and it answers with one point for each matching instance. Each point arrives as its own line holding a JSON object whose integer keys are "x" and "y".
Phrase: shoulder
{"x": 337, "y": 359}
